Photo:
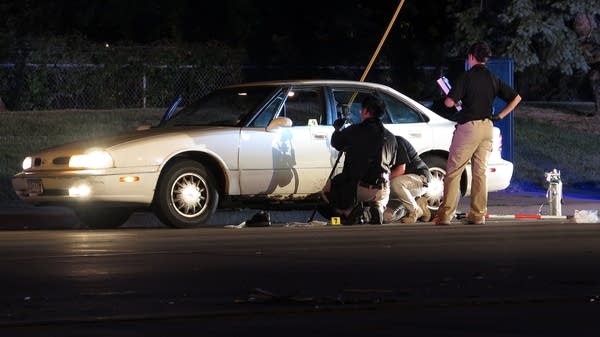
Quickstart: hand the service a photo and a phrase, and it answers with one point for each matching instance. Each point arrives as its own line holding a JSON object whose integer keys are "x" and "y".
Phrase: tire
{"x": 103, "y": 217}
{"x": 186, "y": 195}
{"x": 435, "y": 190}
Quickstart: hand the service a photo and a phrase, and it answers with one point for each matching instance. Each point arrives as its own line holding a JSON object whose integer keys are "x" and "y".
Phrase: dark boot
{"x": 355, "y": 217}
{"x": 376, "y": 216}
{"x": 260, "y": 219}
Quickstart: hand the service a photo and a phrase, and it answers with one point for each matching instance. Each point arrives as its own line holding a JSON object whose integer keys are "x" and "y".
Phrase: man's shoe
{"x": 389, "y": 216}
{"x": 412, "y": 217}
{"x": 376, "y": 217}
{"x": 468, "y": 221}
{"x": 422, "y": 202}
{"x": 394, "y": 211}
{"x": 355, "y": 217}
{"x": 260, "y": 219}
{"x": 439, "y": 221}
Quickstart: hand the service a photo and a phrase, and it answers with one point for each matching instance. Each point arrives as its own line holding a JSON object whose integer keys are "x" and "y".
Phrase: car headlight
{"x": 92, "y": 160}
{"x": 27, "y": 163}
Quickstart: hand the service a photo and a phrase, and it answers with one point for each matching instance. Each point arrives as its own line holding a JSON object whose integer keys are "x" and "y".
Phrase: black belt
{"x": 475, "y": 120}
{"x": 369, "y": 186}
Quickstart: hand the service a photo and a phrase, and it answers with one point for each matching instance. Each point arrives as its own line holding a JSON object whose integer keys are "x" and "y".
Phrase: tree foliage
{"x": 532, "y": 32}
{"x": 538, "y": 34}
{"x": 552, "y": 57}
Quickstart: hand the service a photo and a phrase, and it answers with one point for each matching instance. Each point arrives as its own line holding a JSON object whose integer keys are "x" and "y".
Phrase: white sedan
{"x": 259, "y": 145}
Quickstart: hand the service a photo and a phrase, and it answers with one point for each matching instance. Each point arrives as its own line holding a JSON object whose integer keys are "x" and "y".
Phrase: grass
{"x": 564, "y": 137}
{"x": 23, "y": 132}
{"x": 546, "y": 136}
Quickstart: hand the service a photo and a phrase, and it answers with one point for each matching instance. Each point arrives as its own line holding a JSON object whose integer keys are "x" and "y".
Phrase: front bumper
{"x": 85, "y": 186}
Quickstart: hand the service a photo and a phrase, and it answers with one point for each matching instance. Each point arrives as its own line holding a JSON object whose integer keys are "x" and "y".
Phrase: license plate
{"x": 34, "y": 186}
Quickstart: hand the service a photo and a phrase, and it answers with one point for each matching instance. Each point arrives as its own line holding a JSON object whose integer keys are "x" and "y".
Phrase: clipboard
{"x": 444, "y": 84}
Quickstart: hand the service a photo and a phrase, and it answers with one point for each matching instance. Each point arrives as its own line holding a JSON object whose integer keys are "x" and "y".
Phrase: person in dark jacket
{"x": 370, "y": 151}
{"x": 475, "y": 90}
{"x": 409, "y": 178}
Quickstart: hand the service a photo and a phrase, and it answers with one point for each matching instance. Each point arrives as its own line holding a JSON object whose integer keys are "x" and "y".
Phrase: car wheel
{"x": 186, "y": 196}
{"x": 435, "y": 189}
{"x": 103, "y": 217}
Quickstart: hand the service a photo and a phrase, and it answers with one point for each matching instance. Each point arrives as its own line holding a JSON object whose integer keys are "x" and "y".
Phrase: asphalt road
{"x": 17, "y": 215}
{"x": 505, "y": 278}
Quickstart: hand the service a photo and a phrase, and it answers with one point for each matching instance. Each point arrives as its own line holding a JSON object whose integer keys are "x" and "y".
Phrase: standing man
{"x": 370, "y": 151}
{"x": 472, "y": 140}
{"x": 409, "y": 178}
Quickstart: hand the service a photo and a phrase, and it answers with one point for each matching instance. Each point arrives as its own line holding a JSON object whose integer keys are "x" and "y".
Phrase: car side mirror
{"x": 279, "y": 122}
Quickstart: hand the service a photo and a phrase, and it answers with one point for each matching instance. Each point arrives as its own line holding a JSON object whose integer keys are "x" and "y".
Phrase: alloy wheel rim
{"x": 189, "y": 195}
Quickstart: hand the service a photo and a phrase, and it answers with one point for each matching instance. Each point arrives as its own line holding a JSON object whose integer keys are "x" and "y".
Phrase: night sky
{"x": 315, "y": 32}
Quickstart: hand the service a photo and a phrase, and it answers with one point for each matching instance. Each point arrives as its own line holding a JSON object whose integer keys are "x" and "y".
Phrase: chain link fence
{"x": 91, "y": 86}
{"x": 112, "y": 86}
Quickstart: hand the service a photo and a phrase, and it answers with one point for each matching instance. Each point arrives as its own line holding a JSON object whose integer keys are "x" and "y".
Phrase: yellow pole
{"x": 387, "y": 31}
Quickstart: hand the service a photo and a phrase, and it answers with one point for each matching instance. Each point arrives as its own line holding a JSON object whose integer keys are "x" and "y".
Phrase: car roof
{"x": 341, "y": 83}
{"x": 314, "y": 82}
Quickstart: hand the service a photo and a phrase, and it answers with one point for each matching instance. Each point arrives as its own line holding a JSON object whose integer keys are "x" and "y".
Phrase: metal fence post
{"x": 144, "y": 91}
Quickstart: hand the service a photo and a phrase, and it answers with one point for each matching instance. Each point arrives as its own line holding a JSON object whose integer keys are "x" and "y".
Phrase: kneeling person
{"x": 370, "y": 151}
{"x": 409, "y": 178}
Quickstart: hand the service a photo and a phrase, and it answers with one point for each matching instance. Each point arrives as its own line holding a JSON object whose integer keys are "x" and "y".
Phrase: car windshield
{"x": 223, "y": 107}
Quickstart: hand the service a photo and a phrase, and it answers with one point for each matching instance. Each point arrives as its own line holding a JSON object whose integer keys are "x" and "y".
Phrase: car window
{"x": 304, "y": 107}
{"x": 264, "y": 117}
{"x": 398, "y": 112}
{"x": 223, "y": 107}
{"x": 348, "y": 103}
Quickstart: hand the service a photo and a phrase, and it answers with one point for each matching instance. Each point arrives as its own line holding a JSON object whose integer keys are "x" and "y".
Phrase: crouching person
{"x": 409, "y": 178}
{"x": 370, "y": 151}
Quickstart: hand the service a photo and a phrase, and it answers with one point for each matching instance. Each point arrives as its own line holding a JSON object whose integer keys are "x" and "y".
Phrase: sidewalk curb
{"x": 501, "y": 204}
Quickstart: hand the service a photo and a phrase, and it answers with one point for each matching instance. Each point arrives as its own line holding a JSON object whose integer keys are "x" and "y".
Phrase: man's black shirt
{"x": 408, "y": 156}
{"x": 370, "y": 150}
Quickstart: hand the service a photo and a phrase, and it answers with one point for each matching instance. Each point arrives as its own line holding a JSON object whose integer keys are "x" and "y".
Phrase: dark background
{"x": 297, "y": 36}
{"x": 295, "y": 39}
{"x": 302, "y": 32}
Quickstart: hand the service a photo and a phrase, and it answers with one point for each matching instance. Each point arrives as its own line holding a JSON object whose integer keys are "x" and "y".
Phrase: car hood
{"x": 118, "y": 140}
{"x": 144, "y": 148}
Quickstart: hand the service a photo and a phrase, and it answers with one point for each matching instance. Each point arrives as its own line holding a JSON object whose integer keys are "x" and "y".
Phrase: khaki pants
{"x": 406, "y": 188}
{"x": 471, "y": 141}
{"x": 377, "y": 198}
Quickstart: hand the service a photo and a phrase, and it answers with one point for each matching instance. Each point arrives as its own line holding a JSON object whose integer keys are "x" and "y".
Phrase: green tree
{"x": 587, "y": 27}
{"x": 539, "y": 35}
